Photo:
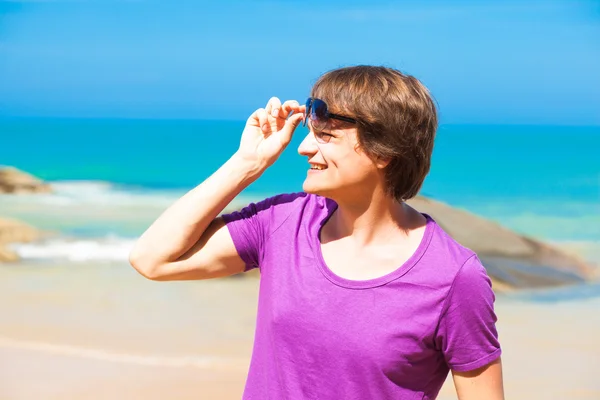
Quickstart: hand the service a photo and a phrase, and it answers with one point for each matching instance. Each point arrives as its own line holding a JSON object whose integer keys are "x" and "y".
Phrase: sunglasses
{"x": 319, "y": 115}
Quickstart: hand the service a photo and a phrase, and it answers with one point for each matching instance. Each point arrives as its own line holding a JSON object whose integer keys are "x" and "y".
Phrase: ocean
{"x": 113, "y": 177}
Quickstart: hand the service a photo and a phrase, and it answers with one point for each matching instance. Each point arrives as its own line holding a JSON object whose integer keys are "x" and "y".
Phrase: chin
{"x": 311, "y": 189}
{"x": 318, "y": 190}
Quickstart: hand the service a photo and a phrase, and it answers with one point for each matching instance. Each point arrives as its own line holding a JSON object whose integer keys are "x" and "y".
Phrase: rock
{"x": 7, "y": 255}
{"x": 14, "y": 231}
{"x": 511, "y": 260}
{"x": 13, "y": 180}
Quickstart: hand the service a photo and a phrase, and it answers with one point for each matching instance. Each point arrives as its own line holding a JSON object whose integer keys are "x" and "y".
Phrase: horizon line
{"x": 192, "y": 119}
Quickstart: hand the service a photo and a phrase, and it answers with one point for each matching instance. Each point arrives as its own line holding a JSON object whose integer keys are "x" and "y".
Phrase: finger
{"x": 254, "y": 118}
{"x": 295, "y": 120}
{"x": 290, "y": 106}
{"x": 302, "y": 109}
{"x": 273, "y": 106}
{"x": 261, "y": 117}
{"x": 290, "y": 126}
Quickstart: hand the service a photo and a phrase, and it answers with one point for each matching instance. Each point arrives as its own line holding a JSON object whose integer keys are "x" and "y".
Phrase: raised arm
{"x": 188, "y": 241}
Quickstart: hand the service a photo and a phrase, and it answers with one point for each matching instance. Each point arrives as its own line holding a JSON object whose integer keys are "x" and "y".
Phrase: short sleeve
{"x": 467, "y": 334}
{"x": 251, "y": 226}
{"x": 247, "y": 232}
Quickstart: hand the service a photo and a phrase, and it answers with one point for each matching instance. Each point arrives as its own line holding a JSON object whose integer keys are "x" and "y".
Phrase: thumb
{"x": 290, "y": 126}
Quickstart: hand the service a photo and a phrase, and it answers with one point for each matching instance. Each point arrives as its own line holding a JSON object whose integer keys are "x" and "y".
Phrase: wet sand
{"x": 103, "y": 332}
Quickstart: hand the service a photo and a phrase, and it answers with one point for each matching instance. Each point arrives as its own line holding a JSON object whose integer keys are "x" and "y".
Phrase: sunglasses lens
{"x": 307, "y": 111}
{"x": 319, "y": 114}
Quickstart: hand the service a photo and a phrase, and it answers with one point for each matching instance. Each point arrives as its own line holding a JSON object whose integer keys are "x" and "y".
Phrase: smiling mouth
{"x": 317, "y": 167}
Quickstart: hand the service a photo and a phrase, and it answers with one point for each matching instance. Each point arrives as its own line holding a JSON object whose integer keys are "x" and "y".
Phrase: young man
{"x": 361, "y": 296}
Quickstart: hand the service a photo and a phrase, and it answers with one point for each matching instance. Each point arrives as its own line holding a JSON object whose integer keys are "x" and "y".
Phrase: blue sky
{"x": 498, "y": 62}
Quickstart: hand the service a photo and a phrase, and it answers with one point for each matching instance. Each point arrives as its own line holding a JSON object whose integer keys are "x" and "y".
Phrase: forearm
{"x": 180, "y": 226}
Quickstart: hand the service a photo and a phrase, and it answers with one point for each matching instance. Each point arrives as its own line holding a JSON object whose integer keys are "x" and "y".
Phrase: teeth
{"x": 319, "y": 167}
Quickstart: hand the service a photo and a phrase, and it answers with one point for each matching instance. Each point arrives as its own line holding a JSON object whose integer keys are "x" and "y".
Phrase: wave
{"x": 110, "y": 248}
{"x": 69, "y": 193}
{"x": 102, "y": 193}
{"x": 124, "y": 358}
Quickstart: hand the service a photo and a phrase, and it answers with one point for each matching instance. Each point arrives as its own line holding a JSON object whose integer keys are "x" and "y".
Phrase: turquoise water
{"x": 470, "y": 162}
{"x": 113, "y": 176}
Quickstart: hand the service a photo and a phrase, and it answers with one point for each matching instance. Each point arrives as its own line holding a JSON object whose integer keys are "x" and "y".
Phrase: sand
{"x": 102, "y": 332}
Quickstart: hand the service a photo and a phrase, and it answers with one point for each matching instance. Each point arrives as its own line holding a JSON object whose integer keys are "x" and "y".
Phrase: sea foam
{"x": 70, "y": 193}
{"x": 111, "y": 248}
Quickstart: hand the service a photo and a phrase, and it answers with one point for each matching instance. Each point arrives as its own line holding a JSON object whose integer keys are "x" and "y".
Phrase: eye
{"x": 322, "y": 136}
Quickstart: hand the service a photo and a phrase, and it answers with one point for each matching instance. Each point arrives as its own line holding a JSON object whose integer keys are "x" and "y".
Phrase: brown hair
{"x": 397, "y": 120}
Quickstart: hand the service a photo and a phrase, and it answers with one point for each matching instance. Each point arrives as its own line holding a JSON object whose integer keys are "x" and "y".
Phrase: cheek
{"x": 356, "y": 166}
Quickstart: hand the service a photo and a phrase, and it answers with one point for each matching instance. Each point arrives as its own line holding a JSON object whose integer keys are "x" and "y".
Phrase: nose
{"x": 308, "y": 147}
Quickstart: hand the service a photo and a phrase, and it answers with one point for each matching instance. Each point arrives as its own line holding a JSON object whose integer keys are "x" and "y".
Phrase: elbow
{"x": 145, "y": 267}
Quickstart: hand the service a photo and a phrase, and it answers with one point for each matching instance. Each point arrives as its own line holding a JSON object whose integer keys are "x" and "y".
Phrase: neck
{"x": 372, "y": 220}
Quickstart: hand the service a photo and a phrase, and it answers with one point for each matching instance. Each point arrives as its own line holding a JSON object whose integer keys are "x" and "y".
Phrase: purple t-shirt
{"x": 320, "y": 336}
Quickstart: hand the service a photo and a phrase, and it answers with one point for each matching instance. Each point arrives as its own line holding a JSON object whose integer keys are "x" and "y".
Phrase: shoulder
{"x": 277, "y": 209}
{"x": 451, "y": 260}
{"x": 444, "y": 247}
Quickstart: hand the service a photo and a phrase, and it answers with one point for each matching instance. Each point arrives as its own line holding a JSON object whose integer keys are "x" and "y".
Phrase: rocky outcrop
{"x": 13, "y": 180}
{"x": 14, "y": 231}
{"x": 512, "y": 260}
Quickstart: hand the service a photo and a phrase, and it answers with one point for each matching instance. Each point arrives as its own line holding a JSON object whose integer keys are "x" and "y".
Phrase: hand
{"x": 269, "y": 130}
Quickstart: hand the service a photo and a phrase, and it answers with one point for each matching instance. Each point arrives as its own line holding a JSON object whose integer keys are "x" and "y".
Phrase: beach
{"x": 78, "y": 322}
{"x": 101, "y": 331}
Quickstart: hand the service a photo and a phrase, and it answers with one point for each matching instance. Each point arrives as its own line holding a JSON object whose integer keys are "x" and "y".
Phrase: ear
{"x": 381, "y": 163}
